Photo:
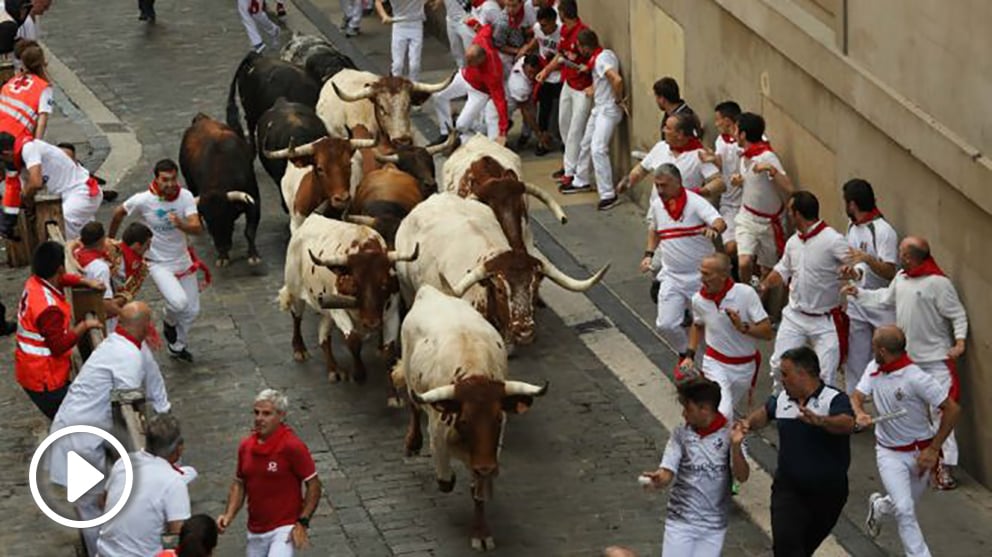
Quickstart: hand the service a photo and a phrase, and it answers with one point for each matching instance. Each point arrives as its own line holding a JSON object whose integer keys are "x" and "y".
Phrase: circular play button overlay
{"x": 82, "y": 476}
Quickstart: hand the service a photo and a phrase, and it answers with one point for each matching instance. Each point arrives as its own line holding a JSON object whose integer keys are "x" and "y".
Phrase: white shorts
{"x": 274, "y": 543}
{"x": 755, "y": 237}
{"x": 728, "y": 212}
{"x": 689, "y": 540}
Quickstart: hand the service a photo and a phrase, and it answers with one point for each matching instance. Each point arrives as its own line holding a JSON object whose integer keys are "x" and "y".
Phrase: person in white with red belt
{"x": 760, "y": 232}
{"x": 727, "y": 156}
{"x": 873, "y": 259}
{"x": 686, "y": 225}
{"x": 459, "y": 34}
{"x": 407, "y": 38}
{"x": 731, "y": 317}
{"x": 906, "y": 447}
{"x": 170, "y": 211}
{"x": 927, "y": 306}
{"x": 253, "y": 16}
{"x": 811, "y": 267}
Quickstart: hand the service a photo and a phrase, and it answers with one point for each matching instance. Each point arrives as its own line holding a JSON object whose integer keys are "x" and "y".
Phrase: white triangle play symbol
{"x": 82, "y": 476}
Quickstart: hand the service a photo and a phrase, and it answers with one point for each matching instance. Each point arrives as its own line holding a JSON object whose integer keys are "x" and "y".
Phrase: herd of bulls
{"x": 375, "y": 235}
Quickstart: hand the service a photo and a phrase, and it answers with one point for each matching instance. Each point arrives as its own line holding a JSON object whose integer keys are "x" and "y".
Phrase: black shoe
{"x": 572, "y": 188}
{"x": 143, "y": 17}
{"x": 100, "y": 181}
{"x": 8, "y": 328}
{"x": 182, "y": 355}
{"x": 541, "y": 150}
{"x": 558, "y": 173}
{"x": 110, "y": 195}
{"x": 607, "y": 204}
{"x": 169, "y": 332}
{"x": 439, "y": 141}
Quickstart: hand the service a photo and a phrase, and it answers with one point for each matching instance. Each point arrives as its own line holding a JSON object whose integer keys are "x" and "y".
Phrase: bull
{"x": 465, "y": 253}
{"x": 383, "y": 199}
{"x": 415, "y": 161}
{"x": 459, "y": 375}
{"x": 345, "y": 272}
{"x": 219, "y": 169}
{"x": 315, "y": 55}
{"x": 286, "y": 123}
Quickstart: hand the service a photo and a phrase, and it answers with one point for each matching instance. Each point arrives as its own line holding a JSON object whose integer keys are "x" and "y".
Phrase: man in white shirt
{"x": 159, "y": 502}
{"x": 459, "y": 33}
{"x": 170, "y": 211}
{"x": 727, "y": 156}
{"x": 873, "y": 260}
{"x": 253, "y": 15}
{"x": 94, "y": 260}
{"x": 907, "y": 447}
{"x": 811, "y": 267}
{"x": 547, "y": 35}
{"x": 121, "y": 362}
{"x": 700, "y": 458}
{"x": 687, "y": 224}
{"x": 351, "y": 21}
{"x": 760, "y": 232}
{"x": 407, "y": 40}
{"x": 926, "y": 303}
{"x": 49, "y": 167}
{"x": 519, "y": 94}
{"x": 733, "y": 320}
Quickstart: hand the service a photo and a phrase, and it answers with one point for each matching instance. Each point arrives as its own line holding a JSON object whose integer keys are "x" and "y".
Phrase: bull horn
{"x": 240, "y": 197}
{"x": 361, "y": 219}
{"x": 569, "y": 283}
{"x": 545, "y": 198}
{"x": 431, "y": 88}
{"x": 363, "y": 143}
{"x": 292, "y": 152}
{"x": 525, "y": 389}
{"x": 338, "y": 301}
{"x": 335, "y": 261}
{"x": 395, "y": 256}
{"x": 366, "y": 93}
{"x": 387, "y": 159}
{"x": 475, "y": 275}
{"x": 437, "y": 394}
{"x": 445, "y": 147}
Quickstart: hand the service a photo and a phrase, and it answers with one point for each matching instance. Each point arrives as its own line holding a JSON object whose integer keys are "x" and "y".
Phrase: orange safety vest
{"x": 35, "y": 366}
{"x": 12, "y": 177}
{"x": 20, "y": 100}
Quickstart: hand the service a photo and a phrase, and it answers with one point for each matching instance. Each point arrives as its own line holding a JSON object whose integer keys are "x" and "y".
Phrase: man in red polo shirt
{"x": 272, "y": 463}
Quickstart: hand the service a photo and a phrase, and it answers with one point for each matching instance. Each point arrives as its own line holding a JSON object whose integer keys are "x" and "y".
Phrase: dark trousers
{"x": 802, "y": 519}
{"x": 547, "y": 96}
{"x": 48, "y": 401}
{"x": 147, "y": 7}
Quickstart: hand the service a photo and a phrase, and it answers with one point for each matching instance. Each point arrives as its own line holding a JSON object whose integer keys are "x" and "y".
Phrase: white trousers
{"x": 688, "y": 540}
{"x": 798, "y": 329}
{"x": 274, "y": 543}
{"x": 734, "y": 380}
{"x": 674, "y": 297}
{"x": 459, "y": 38}
{"x": 352, "y": 10}
{"x": 940, "y": 372}
{"x": 594, "y": 150}
{"x": 407, "y": 44}
{"x": 471, "y": 113}
{"x": 859, "y": 353}
{"x": 904, "y": 486}
{"x": 182, "y": 300}
{"x": 573, "y": 112}
{"x": 252, "y": 21}
{"x": 78, "y": 209}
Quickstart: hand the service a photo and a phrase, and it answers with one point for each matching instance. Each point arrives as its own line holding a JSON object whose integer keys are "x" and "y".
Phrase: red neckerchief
{"x": 693, "y": 144}
{"x": 928, "y": 268}
{"x": 718, "y": 422}
{"x": 517, "y": 19}
{"x": 153, "y": 187}
{"x": 132, "y": 260}
{"x": 85, "y": 256}
{"x": 592, "y": 58}
{"x": 267, "y": 447}
{"x": 894, "y": 365}
{"x": 756, "y": 148}
{"x": 868, "y": 217}
{"x": 120, "y": 330}
{"x": 804, "y": 236}
{"x": 728, "y": 138}
{"x": 719, "y": 296}
{"x": 93, "y": 186}
{"x": 676, "y": 205}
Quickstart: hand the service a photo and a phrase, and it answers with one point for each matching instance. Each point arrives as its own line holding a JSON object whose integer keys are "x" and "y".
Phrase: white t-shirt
{"x": 519, "y": 87}
{"x": 455, "y": 10}
{"x": 159, "y": 496}
{"x": 730, "y": 161}
{"x": 878, "y": 239}
{"x": 603, "y": 97}
{"x": 60, "y": 173}
{"x": 408, "y": 11}
{"x": 760, "y": 193}
{"x": 168, "y": 242}
{"x": 547, "y": 47}
{"x": 695, "y": 173}
{"x": 681, "y": 255}
{"x": 700, "y": 493}
{"x": 99, "y": 269}
{"x": 813, "y": 266}
{"x": 720, "y": 331}
{"x": 487, "y": 13}
{"x": 909, "y": 388}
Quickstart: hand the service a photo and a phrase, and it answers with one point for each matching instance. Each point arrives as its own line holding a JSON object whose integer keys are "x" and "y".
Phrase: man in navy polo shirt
{"x": 815, "y": 421}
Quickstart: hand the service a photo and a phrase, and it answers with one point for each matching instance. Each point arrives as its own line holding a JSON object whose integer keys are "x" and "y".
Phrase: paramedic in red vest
{"x": 25, "y": 103}
{"x": 45, "y": 334}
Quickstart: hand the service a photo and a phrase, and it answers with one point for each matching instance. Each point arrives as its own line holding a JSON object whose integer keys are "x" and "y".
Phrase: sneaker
{"x": 607, "y": 204}
{"x": 558, "y": 173}
{"x": 181, "y": 354}
{"x": 541, "y": 150}
{"x": 110, "y": 195}
{"x": 259, "y": 47}
{"x": 735, "y": 488}
{"x": 280, "y": 10}
{"x": 351, "y": 32}
{"x": 872, "y": 523}
{"x": 143, "y": 17}
{"x": 943, "y": 480}
{"x": 169, "y": 332}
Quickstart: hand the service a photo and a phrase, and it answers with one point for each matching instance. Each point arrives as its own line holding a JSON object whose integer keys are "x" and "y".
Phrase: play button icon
{"x": 81, "y": 476}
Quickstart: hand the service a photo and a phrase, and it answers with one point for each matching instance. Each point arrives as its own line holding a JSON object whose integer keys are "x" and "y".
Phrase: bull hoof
{"x": 300, "y": 355}
{"x": 334, "y": 377}
{"x": 223, "y": 262}
{"x": 394, "y": 401}
{"x": 413, "y": 446}
{"x": 446, "y": 486}
{"x": 483, "y": 544}
{"x": 254, "y": 260}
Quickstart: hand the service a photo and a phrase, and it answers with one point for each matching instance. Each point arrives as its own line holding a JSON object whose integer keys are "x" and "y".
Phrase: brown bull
{"x": 383, "y": 198}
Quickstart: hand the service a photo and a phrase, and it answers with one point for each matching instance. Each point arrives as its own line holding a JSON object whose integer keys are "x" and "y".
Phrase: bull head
{"x": 480, "y": 273}
{"x": 308, "y": 149}
{"x": 546, "y": 198}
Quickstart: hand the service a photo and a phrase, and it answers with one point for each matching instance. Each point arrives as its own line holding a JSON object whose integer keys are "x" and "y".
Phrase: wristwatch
{"x": 303, "y": 521}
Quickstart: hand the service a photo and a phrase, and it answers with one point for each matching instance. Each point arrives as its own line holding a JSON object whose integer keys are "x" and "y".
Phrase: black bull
{"x": 284, "y": 124}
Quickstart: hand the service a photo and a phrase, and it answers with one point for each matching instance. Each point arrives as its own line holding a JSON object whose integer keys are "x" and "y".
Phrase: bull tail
{"x": 233, "y": 114}
{"x": 285, "y": 299}
{"x": 398, "y": 376}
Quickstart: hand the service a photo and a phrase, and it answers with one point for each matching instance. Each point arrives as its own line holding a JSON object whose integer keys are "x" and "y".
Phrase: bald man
{"x": 907, "y": 447}
{"x": 927, "y": 307}
{"x": 121, "y": 362}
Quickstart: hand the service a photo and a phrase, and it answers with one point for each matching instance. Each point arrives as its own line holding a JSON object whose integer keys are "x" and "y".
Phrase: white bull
{"x": 459, "y": 375}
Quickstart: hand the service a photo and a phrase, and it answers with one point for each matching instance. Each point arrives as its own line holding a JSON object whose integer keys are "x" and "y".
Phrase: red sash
{"x": 736, "y": 361}
{"x": 777, "y": 230}
{"x": 198, "y": 265}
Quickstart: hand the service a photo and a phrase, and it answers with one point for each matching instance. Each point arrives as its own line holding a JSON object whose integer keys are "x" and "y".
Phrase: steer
{"x": 454, "y": 365}
{"x": 260, "y": 81}
{"x": 321, "y": 171}
{"x": 383, "y": 199}
{"x": 317, "y": 56}
{"x": 286, "y": 123}
{"x": 416, "y": 161}
{"x": 344, "y": 271}
{"x": 218, "y": 167}
{"x": 465, "y": 253}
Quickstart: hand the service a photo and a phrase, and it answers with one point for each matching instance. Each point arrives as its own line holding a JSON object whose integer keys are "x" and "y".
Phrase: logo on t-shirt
{"x": 162, "y": 224}
{"x": 273, "y": 466}
{"x": 899, "y": 394}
